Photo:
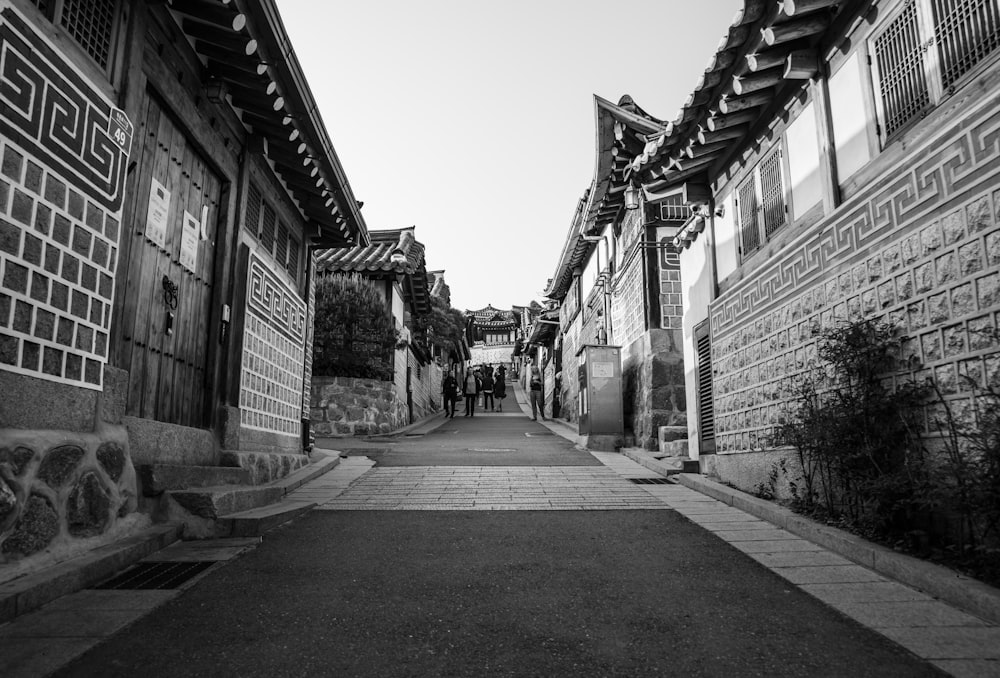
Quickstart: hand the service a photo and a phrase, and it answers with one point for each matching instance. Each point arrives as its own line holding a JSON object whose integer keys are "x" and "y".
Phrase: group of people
{"x": 480, "y": 380}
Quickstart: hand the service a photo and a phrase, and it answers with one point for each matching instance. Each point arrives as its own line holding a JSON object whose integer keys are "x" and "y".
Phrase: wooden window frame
{"x": 753, "y": 181}
{"x": 53, "y": 11}
{"x": 706, "y": 432}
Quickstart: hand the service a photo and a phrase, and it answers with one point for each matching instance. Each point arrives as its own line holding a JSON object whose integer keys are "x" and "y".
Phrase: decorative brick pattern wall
{"x": 920, "y": 248}
{"x": 348, "y": 406}
{"x": 61, "y": 177}
{"x": 273, "y": 353}
{"x": 491, "y": 354}
{"x": 671, "y": 306}
{"x": 627, "y": 301}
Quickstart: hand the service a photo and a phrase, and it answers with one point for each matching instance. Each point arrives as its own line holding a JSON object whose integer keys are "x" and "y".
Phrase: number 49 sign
{"x": 120, "y": 129}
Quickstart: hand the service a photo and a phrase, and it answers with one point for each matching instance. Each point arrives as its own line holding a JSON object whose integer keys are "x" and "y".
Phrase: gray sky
{"x": 474, "y": 121}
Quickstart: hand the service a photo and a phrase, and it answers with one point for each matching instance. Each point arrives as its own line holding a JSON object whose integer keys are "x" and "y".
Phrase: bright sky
{"x": 473, "y": 120}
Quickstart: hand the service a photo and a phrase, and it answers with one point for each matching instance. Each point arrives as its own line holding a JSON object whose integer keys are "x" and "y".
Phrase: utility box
{"x": 602, "y": 424}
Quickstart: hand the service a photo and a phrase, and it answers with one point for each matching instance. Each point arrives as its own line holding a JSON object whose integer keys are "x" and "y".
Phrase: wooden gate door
{"x": 165, "y": 295}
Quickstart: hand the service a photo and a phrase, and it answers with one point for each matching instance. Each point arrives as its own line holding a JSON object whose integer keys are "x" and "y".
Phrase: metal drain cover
{"x": 539, "y": 435}
{"x": 156, "y": 575}
{"x": 650, "y": 481}
{"x": 492, "y": 449}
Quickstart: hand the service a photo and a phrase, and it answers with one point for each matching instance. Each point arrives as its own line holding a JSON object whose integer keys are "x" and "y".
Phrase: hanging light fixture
{"x": 632, "y": 196}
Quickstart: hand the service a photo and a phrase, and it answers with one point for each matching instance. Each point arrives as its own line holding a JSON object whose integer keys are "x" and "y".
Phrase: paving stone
{"x": 740, "y": 526}
{"x": 908, "y": 614}
{"x": 801, "y": 559}
{"x": 864, "y": 592}
{"x": 770, "y": 534}
{"x": 776, "y": 546}
{"x": 953, "y": 642}
{"x": 828, "y": 575}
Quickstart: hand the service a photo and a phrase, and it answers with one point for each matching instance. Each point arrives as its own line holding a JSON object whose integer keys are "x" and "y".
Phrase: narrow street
{"x": 492, "y": 547}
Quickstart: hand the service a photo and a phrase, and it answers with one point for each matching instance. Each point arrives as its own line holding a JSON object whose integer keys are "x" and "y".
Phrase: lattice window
{"x": 772, "y": 193}
{"x": 747, "y": 207}
{"x": 281, "y": 252}
{"x": 674, "y": 209}
{"x": 902, "y": 80}
{"x": 267, "y": 224}
{"x": 966, "y": 31}
{"x": 91, "y": 23}
{"x": 252, "y": 221}
{"x": 293, "y": 257}
{"x": 706, "y": 408}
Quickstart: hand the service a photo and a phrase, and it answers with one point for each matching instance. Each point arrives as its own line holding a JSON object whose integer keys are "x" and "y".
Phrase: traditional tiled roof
{"x": 395, "y": 251}
{"x": 765, "y": 57}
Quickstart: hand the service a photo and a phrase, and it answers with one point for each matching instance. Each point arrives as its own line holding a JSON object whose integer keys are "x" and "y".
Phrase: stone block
{"x": 36, "y": 528}
{"x": 954, "y": 341}
{"x": 993, "y": 248}
{"x": 892, "y": 259}
{"x": 946, "y": 267}
{"x": 988, "y": 290}
{"x": 59, "y": 464}
{"x": 970, "y": 258}
{"x": 978, "y": 213}
{"x": 962, "y": 300}
{"x": 932, "y": 237}
{"x": 924, "y": 277}
{"x": 88, "y": 506}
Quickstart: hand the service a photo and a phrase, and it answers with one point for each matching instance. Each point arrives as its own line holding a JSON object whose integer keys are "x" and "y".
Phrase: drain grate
{"x": 650, "y": 481}
{"x": 156, "y": 575}
{"x": 539, "y": 435}
{"x": 492, "y": 449}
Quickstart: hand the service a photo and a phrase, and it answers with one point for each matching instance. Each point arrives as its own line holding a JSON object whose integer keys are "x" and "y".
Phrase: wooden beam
{"x": 745, "y": 84}
{"x": 256, "y": 102}
{"x": 801, "y": 65}
{"x": 270, "y": 128}
{"x": 235, "y": 43}
{"x": 764, "y": 60}
{"x": 795, "y": 29}
{"x": 800, "y": 7}
{"x": 718, "y": 122}
{"x": 686, "y": 165}
{"x": 296, "y": 174}
{"x": 211, "y": 12}
{"x": 706, "y": 136}
{"x": 287, "y": 156}
{"x": 700, "y": 150}
{"x": 734, "y": 104}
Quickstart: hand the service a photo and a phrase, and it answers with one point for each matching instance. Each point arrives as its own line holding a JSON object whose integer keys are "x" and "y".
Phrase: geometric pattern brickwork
{"x": 627, "y": 299}
{"x": 273, "y": 354}
{"x": 671, "y": 308}
{"x": 61, "y": 177}
{"x": 920, "y": 249}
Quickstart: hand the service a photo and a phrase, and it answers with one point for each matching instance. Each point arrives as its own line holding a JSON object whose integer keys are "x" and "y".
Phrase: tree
{"x": 443, "y": 327}
{"x": 354, "y": 332}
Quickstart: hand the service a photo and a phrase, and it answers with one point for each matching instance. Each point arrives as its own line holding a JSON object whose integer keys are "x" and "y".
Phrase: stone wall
{"x": 653, "y": 385}
{"x": 59, "y": 488}
{"x": 918, "y": 247}
{"x": 349, "y": 406}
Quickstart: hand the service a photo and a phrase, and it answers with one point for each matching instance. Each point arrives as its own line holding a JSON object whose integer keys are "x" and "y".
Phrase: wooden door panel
{"x": 167, "y": 375}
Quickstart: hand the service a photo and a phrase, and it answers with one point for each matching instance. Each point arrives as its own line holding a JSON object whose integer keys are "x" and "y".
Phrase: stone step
{"x": 677, "y": 463}
{"x": 213, "y": 502}
{"x": 255, "y": 522}
{"x": 158, "y": 478}
{"x": 264, "y": 467}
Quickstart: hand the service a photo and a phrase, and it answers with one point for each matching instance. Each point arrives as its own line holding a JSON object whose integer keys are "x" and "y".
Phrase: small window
{"x": 267, "y": 223}
{"x": 252, "y": 221}
{"x": 91, "y": 23}
{"x": 902, "y": 81}
{"x": 281, "y": 252}
{"x": 760, "y": 203}
{"x": 293, "y": 257}
{"x": 706, "y": 408}
{"x": 965, "y": 31}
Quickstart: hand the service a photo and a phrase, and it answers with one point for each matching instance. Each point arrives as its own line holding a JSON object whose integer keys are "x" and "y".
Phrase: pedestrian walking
{"x": 500, "y": 387}
{"x": 488, "y": 390}
{"x": 537, "y": 397}
{"x": 449, "y": 393}
{"x": 470, "y": 387}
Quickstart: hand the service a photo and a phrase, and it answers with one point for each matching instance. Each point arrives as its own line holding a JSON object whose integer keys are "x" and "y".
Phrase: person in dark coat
{"x": 449, "y": 393}
{"x": 488, "y": 389}
{"x": 500, "y": 387}
{"x": 471, "y": 387}
{"x": 536, "y": 395}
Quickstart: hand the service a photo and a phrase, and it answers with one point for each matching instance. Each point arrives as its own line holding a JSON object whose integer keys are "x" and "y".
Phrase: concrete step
{"x": 676, "y": 463}
{"x": 255, "y": 522}
{"x": 213, "y": 502}
{"x": 158, "y": 478}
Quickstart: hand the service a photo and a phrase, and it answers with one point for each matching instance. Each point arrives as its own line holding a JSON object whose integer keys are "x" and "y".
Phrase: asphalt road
{"x": 419, "y": 593}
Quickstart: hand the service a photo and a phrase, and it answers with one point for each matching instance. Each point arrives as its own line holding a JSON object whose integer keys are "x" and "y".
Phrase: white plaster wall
{"x": 726, "y": 253}
{"x": 696, "y": 293}
{"x": 802, "y": 144}
{"x": 850, "y": 122}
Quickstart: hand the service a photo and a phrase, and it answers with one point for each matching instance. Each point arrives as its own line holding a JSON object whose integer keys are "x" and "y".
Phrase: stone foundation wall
{"x": 349, "y": 406}
{"x": 58, "y": 488}
{"x": 653, "y": 385}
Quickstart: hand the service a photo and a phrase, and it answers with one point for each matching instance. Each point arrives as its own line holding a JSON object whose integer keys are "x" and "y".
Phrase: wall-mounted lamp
{"x": 632, "y": 196}
{"x": 720, "y": 211}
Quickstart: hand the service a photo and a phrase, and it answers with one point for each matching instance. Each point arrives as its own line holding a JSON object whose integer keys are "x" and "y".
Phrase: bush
{"x": 354, "y": 332}
{"x": 860, "y": 455}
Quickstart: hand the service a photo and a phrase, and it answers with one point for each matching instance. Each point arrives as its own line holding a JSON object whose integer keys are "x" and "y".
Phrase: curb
{"x": 28, "y": 593}
{"x": 649, "y": 462}
{"x": 313, "y": 470}
{"x": 941, "y": 582}
{"x": 429, "y": 419}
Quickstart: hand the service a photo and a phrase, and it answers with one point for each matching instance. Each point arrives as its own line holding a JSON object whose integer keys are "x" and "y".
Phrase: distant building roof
{"x": 395, "y": 251}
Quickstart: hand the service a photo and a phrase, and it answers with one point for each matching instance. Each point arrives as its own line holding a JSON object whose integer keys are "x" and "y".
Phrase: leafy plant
{"x": 355, "y": 333}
